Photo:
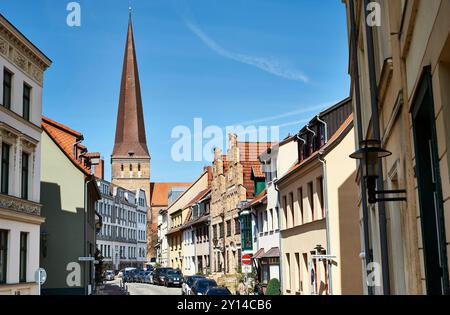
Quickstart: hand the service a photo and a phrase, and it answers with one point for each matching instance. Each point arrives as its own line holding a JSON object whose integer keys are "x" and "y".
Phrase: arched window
{"x": 131, "y": 167}
{"x": 121, "y": 167}
{"x": 139, "y": 167}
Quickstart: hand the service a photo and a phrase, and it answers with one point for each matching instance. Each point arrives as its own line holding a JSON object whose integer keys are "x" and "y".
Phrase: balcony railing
{"x": 20, "y": 205}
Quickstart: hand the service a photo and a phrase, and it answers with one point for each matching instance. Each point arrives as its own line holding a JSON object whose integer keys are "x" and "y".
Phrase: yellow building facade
{"x": 405, "y": 93}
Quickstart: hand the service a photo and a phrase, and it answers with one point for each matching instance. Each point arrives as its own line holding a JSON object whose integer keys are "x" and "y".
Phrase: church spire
{"x": 130, "y": 138}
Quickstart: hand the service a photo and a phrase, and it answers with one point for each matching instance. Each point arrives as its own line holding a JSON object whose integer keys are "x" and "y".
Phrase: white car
{"x": 109, "y": 275}
{"x": 187, "y": 284}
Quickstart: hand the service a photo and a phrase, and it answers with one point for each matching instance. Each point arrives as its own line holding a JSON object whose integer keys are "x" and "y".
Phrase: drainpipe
{"x": 310, "y": 130}
{"x": 210, "y": 245}
{"x": 85, "y": 234}
{"x": 377, "y": 136}
{"x": 74, "y": 148}
{"x": 279, "y": 229}
{"x": 326, "y": 128}
{"x": 85, "y": 227}
{"x": 327, "y": 220}
{"x": 365, "y": 212}
{"x": 195, "y": 250}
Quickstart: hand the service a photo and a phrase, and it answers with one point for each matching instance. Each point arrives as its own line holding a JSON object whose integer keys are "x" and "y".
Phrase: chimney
{"x": 99, "y": 169}
{"x": 209, "y": 170}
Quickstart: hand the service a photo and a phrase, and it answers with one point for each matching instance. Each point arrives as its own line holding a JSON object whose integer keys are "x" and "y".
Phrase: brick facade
{"x": 231, "y": 185}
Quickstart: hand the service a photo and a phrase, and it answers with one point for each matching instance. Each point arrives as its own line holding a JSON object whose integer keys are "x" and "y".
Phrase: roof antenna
{"x": 130, "y": 8}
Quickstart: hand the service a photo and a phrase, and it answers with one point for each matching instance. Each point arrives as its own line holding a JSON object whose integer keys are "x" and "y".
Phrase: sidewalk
{"x": 110, "y": 289}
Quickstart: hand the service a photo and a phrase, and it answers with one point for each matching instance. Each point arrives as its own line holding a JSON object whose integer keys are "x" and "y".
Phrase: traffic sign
{"x": 86, "y": 259}
{"x": 246, "y": 260}
{"x": 247, "y": 269}
{"x": 40, "y": 276}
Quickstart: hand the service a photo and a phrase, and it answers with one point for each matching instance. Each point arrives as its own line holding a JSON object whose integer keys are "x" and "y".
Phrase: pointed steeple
{"x": 130, "y": 131}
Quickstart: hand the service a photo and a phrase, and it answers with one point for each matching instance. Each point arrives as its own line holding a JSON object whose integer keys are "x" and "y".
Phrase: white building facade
{"x": 163, "y": 244}
{"x": 141, "y": 211}
{"x": 118, "y": 240}
{"x": 266, "y": 222}
{"x": 22, "y": 67}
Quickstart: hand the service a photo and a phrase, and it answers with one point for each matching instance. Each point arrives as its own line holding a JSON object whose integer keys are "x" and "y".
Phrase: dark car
{"x": 202, "y": 285}
{"x": 173, "y": 278}
{"x": 218, "y": 291}
{"x": 139, "y": 276}
{"x": 148, "y": 277}
{"x": 133, "y": 275}
{"x": 187, "y": 284}
{"x": 128, "y": 275}
{"x": 159, "y": 275}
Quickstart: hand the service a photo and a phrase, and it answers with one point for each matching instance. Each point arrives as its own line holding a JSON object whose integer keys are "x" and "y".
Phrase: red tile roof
{"x": 93, "y": 154}
{"x": 159, "y": 193}
{"x": 199, "y": 197}
{"x": 261, "y": 198}
{"x": 196, "y": 199}
{"x": 249, "y": 153}
{"x": 65, "y": 138}
{"x": 257, "y": 171}
{"x": 188, "y": 217}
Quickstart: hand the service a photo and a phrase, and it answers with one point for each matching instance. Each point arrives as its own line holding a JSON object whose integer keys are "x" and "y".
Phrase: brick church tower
{"x": 130, "y": 160}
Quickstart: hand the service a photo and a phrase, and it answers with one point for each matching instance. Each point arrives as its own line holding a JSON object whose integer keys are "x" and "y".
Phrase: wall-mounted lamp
{"x": 369, "y": 154}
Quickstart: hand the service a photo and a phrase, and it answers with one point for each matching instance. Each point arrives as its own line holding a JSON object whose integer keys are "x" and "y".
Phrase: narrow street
{"x": 147, "y": 289}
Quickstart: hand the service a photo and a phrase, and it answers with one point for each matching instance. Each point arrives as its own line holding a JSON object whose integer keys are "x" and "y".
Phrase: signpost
{"x": 40, "y": 276}
{"x": 246, "y": 259}
{"x": 246, "y": 263}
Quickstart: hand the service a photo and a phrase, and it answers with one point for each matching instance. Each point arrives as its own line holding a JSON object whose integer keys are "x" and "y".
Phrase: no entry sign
{"x": 246, "y": 259}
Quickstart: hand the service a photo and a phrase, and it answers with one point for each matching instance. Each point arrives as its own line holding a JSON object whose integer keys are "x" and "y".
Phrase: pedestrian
{"x": 242, "y": 289}
{"x": 258, "y": 289}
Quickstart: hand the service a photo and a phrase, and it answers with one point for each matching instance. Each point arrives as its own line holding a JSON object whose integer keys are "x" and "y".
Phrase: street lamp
{"x": 369, "y": 154}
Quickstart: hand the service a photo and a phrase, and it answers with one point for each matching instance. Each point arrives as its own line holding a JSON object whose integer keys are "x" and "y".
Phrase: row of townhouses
{"x": 56, "y": 210}
{"x": 122, "y": 240}
{"x": 48, "y": 191}
{"x": 357, "y": 202}
{"x": 291, "y": 206}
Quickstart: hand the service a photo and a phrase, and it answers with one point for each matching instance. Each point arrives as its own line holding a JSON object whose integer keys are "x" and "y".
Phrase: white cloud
{"x": 271, "y": 66}
{"x": 303, "y": 110}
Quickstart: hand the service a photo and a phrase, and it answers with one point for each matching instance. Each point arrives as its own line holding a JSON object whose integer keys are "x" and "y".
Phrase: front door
{"x": 430, "y": 190}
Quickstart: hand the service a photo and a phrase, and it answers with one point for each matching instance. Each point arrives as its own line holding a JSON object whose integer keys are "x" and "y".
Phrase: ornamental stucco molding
{"x": 19, "y": 57}
{"x": 19, "y": 205}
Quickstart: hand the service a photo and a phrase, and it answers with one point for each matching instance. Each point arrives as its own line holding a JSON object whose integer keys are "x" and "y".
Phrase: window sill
{"x": 20, "y": 118}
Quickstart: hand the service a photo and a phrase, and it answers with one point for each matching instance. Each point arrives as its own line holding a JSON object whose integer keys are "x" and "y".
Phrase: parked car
{"x": 187, "y": 284}
{"x": 159, "y": 275}
{"x": 173, "y": 278}
{"x": 202, "y": 285}
{"x": 128, "y": 274}
{"x": 218, "y": 291}
{"x": 137, "y": 275}
{"x": 109, "y": 275}
{"x": 148, "y": 277}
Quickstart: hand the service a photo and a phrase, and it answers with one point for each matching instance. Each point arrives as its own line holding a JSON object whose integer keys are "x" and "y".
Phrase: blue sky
{"x": 277, "y": 62}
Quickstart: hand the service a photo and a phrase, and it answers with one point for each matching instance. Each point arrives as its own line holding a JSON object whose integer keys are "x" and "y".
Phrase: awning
{"x": 174, "y": 230}
{"x": 274, "y": 252}
{"x": 259, "y": 254}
